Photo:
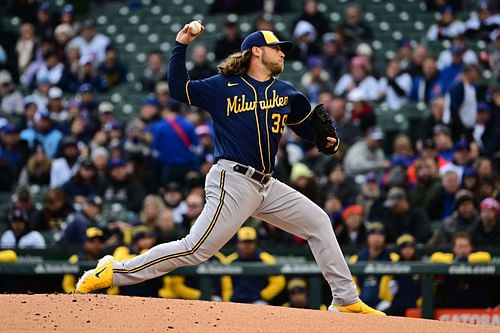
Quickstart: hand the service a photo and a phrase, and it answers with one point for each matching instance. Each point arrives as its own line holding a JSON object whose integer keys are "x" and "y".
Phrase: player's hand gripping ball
{"x": 195, "y": 27}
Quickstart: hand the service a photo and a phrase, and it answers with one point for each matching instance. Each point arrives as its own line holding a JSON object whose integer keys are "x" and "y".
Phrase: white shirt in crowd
{"x": 95, "y": 48}
{"x": 446, "y": 58}
{"x": 32, "y": 240}
{"x": 468, "y": 109}
{"x": 61, "y": 172}
{"x": 393, "y": 100}
{"x": 368, "y": 87}
{"x": 452, "y": 30}
{"x": 53, "y": 74}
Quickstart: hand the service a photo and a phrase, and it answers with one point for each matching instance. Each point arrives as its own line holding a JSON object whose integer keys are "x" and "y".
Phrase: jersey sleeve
{"x": 298, "y": 117}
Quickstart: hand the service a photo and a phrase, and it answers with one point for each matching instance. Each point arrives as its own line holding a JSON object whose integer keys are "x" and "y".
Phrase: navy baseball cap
{"x": 86, "y": 88}
{"x": 264, "y": 38}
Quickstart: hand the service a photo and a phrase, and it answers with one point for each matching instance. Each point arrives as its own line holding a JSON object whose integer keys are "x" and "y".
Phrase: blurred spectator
{"x": 122, "y": 188}
{"x": 26, "y": 47}
{"x": 39, "y": 95}
{"x": 83, "y": 183}
{"x": 464, "y": 291}
{"x": 45, "y": 21}
{"x": 311, "y": 15}
{"x": 152, "y": 207}
{"x": 68, "y": 16}
{"x": 358, "y": 80}
{"x": 441, "y": 204}
{"x": 194, "y": 204}
{"x": 479, "y": 26}
{"x": 459, "y": 48}
{"x": 404, "y": 55}
{"x": 251, "y": 289}
{"x": 52, "y": 69}
{"x": 29, "y": 78}
{"x": 484, "y": 168}
{"x": 447, "y": 26}
{"x": 57, "y": 108}
{"x": 335, "y": 62}
{"x": 19, "y": 235}
{"x": 297, "y": 294}
{"x": 56, "y": 208}
{"x": 362, "y": 113}
{"x": 373, "y": 289}
{"x": 402, "y": 151}
{"x": 370, "y": 196}
{"x": 405, "y": 289}
{"x": 333, "y": 208}
{"x": 205, "y": 133}
{"x": 449, "y": 74}
{"x": 150, "y": 111}
{"x": 100, "y": 158}
{"x": 494, "y": 54}
{"x": 155, "y": 71}
{"x": 366, "y": 155}
{"x": 92, "y": 250}
{"x": 426, "y": 87}
{"x": 172, "y": 197}
{"x": 201, "y": 66}
{"x": 486, "y": 130}
{"x": 77, "y": 223}
{"x": 13, "y": 150}
{"x": 443, "y": 142}
{"x": 418, "y": 56}
{"x": 337, "y": 182}
{"x": 166, "y": 229}
{"x": 11, "y": 99}
{"x": 162, "y": 94}
{"x": 112, "y": 71}
{"x": 461, "y": 158}
{"x": 395, "y": 87}
{"x": 354, "y": 30}
{"x": 88, "y": 75}
{"x": 302, "y": 179}
{"x": 402, "y": 218}
{"x": 304, "y": 37}
{"x": 87, "y": 104}
{"x": 347, "y": 129}
{"x": 37, "y": 169}
{"x": 90, "y": 42}
{"x": 43, "y": 132}
{"x": 353, "y": 230}
{"x": 464, "y": 219}
{"x": 435, "y": 118}
{"x": 470, "y": 180}
{"x": 427, "y": 183}
{"x": 487, "y": 231}
{"x": 229, "y": 42}
{"x": 67, "y": 165}
{"x": 315, "y": 79}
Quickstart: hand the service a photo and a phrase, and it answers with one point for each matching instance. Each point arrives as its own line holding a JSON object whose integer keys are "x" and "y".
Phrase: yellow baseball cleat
{"x": 358, "y": 307}
{"x": 97, "y": 278}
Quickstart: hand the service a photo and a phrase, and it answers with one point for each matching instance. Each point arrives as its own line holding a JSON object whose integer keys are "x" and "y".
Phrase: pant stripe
{"x": 197, "y": 245}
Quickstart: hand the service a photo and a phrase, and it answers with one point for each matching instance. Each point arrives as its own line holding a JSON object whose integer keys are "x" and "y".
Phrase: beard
{"x": 274, "y": 67}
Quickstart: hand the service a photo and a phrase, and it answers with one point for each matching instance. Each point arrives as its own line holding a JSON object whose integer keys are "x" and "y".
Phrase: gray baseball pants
{"x": 231, "y": 198}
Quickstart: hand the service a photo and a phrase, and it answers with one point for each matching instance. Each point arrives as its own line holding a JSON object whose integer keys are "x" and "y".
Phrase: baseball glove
{"x": 323, "y": 126}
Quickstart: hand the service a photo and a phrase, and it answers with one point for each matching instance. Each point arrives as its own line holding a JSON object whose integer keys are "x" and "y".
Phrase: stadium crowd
{"x": 83, "y": 180}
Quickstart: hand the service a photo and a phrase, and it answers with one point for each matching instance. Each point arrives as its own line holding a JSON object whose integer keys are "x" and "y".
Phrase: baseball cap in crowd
{"x": 94, "y": 232}
{"x": 370, "y": 177}
{"x": 483, "y": 107}
{"x": 300, "y": 170}
{"x": 470, "y": 172}
{"x": 69, "y": 141}
{"x": 314, "y": 62}
{"x": 375, "y": 133}
{"x": 330, "y": 37}
{"x": 68, "y": 9}
{"x": 86, "y": 88}
{"x": 441, "y": 129}
{"x": 88, "y": 23}
{"x": 403, "y": 42}
{"x": 141, "y": 232}
{"x": 352, "y": 210}
{"x": 17, "y": 215}
{"x": 247, "y": 234}
{"x": 457, "y": 49}
{"x": 117, "y": 162}
{"x": 44, "y": 7}
{"x": 394, "y": 195}
{"x": 428, "y": 144}
{"x": 55, "y": 92}
{"x": 10, "y": 129}
{"x": 461, "y": 144}
{"x": 113, "y": 125}
{"x": 490, "y": 203}
{"x": 296, "y": 284}
{"x": 41, "y": 115}
{"x": 5, "y": 77}
{"x": 447, "y": 9}
{"x": 172, "y": 187}
{"x": 264, "y": 38}
{"x": 87, "y": 163}
{"x": 151, "y": 100}
{"x": 363, "y": 49}
{"x": 203, "y": 130}
{"x": 463, "y": 196}
{"x": 304, "y": 27}
{"x": 405, "y": 240}
{"x": 94, "y": 200}
{"x": 161, "y": 88}
{"x": 23, "y": 193}
{"x": 105, "y": 107}
{"x": 375, "y": 228}
{"x": 64, "y": 28}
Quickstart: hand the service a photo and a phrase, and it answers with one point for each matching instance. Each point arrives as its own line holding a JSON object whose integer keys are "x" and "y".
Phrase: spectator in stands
{"x": 84, "y": 183}
{"x": 442, "y": 202}
{"x": 92, "y": 250}
{"x": 418, "y": 56}
{"x": 90, "y": 42}
{"x": 26, "y": 47}
{"x": 11, "y": 99}
{"x": 311, "y": 14}
{"x": 58, "y": 112}
{"x": 87, "y": 74}
{"x": 426, "y": 86}
{"x": 173, "y": 199}
{"x": 486, "y": 130}
{"x": 201, "y": 66}
{"x": 395, "y": 86}
{"x": 68, "y": 16}
{"x": 150, "y": 111}
{"x": 447, "y": 26}
{"x": 443, "y": 141}
{"x": 402, "y": 151}
{"x": 464, "y": 219}
{"x": 358, "y": 79}
{"x": 122, "y": 188}
{"x": 464, "y": 291}
{"x": 405, "y": 289}
{"x": 20, "y": 235}
{"x": 353, "y": 230}
{"x": 337, "y": 182}
{"x": 302, "y": 179}
{"x": 87, "y": 104}
{"x": 66, "y": 166}
{"x": 315, "y": 80}
{"x": 37, "y": 169}
{"x": 459, "y": 49}
{"x": 366, "y": 155}
{"x": 297, "y": 294}
{"x": 152, "y": 207}
{"x": 462, "y": 157}
{"x": 45, "y": 21}
{"x": 55, "y": 211}
{"x": 448, "y": 75}
{"x": 333, "y": 208}
{"x": 481, "y": 25}
{"x": 493, "y": 55}
{"x": 13, "y": 150}
{"x": 155, "y": 71}
{"x": 427, "y": 183}
{"x": 251, "y": 289}
{"x": 229, "y": 42}
{"x": 401, "y": 218}
{"x": 44, "y": 132}
{"x": 166, "y": 230}
{"x": 429, "y": 123}
{"x": 347, "y": 129}
{"x": 335, "y": 62}
{"x": 370, "y": 195}
{"x": 205, "y": 133}
{"x": 112, "y": 70}
{"x": 354, "y": 30}
{"x": 304, "y": 36}
{"x": 52, "y": 68}
{"x": 78, "y": 222}
{"x": 487, "y": 231}
{"x": 162, "y": 94}
{"x": 373, "y": 288}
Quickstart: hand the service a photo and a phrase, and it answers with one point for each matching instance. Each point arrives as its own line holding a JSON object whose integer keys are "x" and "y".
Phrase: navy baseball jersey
{"x": 249, "y": 116}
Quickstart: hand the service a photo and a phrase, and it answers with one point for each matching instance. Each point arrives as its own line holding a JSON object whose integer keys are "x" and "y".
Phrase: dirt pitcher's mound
{"x": 99, "y": 313}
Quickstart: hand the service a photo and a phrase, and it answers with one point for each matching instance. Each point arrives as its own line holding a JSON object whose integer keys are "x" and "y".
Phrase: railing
{"x": 306, "y": 269}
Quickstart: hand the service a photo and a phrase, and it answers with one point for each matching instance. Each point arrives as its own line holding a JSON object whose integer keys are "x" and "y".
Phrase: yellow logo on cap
{"x": 270, "y": 37}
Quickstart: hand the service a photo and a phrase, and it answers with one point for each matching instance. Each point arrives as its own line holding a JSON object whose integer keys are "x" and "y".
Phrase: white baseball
{"x": 195, "y": 27}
